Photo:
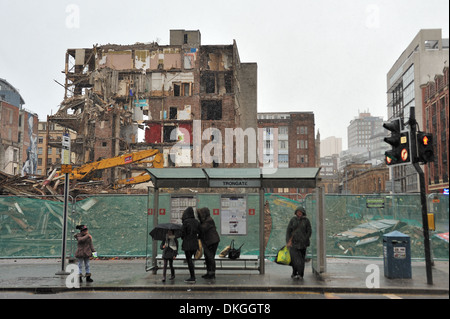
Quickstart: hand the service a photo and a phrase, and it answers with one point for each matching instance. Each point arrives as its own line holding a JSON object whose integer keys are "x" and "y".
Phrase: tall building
{"x": 172, "y": 92}
{"x": 330, "y": 146}
{"x": 18, "y": 133}
{"x": 361, "y": 129}
{"x": 436, "y": 121}
{"x": 422, "y": 59}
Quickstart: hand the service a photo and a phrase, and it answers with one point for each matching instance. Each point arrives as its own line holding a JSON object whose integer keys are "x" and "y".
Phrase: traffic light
{"x": 425, "y": 151}
{"x": 400, "y": 144}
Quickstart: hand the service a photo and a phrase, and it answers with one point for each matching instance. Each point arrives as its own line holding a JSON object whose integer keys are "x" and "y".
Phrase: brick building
{"x": 112, "y": 91}
{"x": 365, "y": 179}
{"x": 287, "y": 140}
{"x": 49, "y": 146}
{"x": 18, "y": 133}
{"x": 436, "y": 121}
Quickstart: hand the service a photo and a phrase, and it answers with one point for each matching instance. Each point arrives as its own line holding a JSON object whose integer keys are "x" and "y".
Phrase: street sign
{"x": 66, "y": 169}
{"x": 65, "y": 152}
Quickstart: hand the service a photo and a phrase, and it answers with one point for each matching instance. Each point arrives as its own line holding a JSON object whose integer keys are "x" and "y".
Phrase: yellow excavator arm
{"x": 84, "y": 171}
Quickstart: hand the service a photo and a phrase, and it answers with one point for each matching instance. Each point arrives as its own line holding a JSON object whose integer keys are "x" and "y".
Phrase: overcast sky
{"x": 330, "y": 57}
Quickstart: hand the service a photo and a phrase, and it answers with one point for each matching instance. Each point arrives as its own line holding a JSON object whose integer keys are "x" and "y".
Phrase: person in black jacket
{"x": 210, "y": 241}
{"x": 297, "y": 240}
{"x": 189, "y": 234}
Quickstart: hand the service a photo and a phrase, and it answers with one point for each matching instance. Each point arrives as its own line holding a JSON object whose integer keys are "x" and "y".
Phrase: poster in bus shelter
{"x": 233, "y": 219}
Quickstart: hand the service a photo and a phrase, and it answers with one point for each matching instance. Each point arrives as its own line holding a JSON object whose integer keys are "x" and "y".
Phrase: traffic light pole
{"x": 423, "y": 198}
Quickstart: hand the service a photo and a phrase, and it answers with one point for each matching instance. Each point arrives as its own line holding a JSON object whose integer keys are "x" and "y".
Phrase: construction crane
{"x": 85, "y": 172}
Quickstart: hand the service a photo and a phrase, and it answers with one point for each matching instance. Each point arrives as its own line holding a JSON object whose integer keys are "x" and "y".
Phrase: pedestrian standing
{"x": 210, "y": 241}
{"x": 85, "y": 248}
{"x": 298, "y": 234}
{"x": 170, "y": 250}
{"x": 189, "y": 234}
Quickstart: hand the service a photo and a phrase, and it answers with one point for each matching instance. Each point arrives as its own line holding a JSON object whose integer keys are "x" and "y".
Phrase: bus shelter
{"x": 253, "y": 178}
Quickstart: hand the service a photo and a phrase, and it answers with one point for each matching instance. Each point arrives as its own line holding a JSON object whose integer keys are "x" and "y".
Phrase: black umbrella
{"x": 160, "y": 231}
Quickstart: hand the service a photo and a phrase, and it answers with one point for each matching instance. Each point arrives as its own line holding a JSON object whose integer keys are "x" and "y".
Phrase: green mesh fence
{"x": 119, "y": 224}
{"x": 31, "y": 227}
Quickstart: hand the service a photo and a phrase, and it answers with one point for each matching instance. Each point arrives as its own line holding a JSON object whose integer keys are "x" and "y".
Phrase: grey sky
{"x": 326, "y": 56}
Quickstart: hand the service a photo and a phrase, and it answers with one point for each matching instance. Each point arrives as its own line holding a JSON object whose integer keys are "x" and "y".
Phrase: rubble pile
{"x": 17, "y": 185}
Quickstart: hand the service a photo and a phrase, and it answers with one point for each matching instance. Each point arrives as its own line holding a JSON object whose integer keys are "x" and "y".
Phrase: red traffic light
{"x": 425, "y": 150}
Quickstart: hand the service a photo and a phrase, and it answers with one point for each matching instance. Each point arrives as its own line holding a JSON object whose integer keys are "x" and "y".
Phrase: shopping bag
{"x": 283, "y": 256}
{"x": 234, "y": 253}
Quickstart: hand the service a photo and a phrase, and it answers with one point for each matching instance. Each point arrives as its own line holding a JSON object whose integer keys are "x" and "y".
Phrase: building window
{"x": 211, "y": 110}
{"x": 283, "y": 158}
{"x": 173, "y": 112}
{"x": 182, "y": 89}
{"x": 283, "y": 145}
{"x": 283, "y": 130}
{"x": 208, "y": 83}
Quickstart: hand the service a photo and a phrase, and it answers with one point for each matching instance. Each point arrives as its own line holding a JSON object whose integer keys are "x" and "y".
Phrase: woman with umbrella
{"x": 168, "y": 233}
{"x": 170, "y": 250}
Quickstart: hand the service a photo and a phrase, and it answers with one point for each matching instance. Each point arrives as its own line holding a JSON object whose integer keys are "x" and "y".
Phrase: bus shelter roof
{"x": 234, "y": 177}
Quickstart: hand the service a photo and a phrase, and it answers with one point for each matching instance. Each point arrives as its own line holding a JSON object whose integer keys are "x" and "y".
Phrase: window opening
{"x": 211, "y": 110}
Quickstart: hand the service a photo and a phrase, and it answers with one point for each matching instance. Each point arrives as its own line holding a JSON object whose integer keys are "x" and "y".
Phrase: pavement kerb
{"x": 248, "y": 288}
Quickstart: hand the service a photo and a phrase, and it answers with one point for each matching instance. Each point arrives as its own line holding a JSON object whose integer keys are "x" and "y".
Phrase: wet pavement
{"x": 341, "y": 276}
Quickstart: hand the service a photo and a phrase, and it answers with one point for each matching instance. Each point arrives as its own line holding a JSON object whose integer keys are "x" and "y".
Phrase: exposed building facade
{"x": 423, "y": 58}
{"x": 179, "y": 95}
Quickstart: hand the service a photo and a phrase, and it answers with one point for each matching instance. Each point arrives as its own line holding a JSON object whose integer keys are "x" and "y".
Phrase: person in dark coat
{"x": 210, "y": 241}
{"x": 298, "y": 234}
{"x": 84, "y": 251}
{"x": 170, "y": 250}
{"x": 189, "y": 234}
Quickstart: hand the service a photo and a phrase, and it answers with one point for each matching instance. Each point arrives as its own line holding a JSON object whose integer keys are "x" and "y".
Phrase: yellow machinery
{"x": 86, "y": 171}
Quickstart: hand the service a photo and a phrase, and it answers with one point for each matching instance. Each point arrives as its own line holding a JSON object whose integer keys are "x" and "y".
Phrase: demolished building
{"x": 112, "y": 91}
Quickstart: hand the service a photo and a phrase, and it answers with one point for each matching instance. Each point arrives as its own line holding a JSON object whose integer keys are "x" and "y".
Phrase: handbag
{"x": 234, "y": 253}
{"x": 199, "y": 252}
{"x": 224, "y": 252}
{"x": 283, "y": 256}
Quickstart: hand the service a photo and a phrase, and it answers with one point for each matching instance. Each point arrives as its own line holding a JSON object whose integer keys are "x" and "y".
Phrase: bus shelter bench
{"x": 244, "y": 262}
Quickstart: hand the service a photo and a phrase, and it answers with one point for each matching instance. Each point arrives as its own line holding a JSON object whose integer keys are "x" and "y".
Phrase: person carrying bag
{"x": 298, "y": 234}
